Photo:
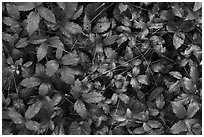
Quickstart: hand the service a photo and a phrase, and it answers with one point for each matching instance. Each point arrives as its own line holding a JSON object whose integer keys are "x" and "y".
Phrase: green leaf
{"x": 175, "y": 86}
{"x": 177, "y": 11}
{"x": 134, "y": 83}
{"x": 70, "y": 59}
{"x": 189, "y": 84}
{"x": 68, "y": 75}
{"x": 25, "y": 6}
{"x": 110, "y": 40}
{"x": 32, "y": 21}
{"x": 33, "y": 110}
{"x": 46, "y": 14}
{"x": 31, "y": 82}
{"x": 197, "y": 6}
{"x": 71, "y": 28}
{"x": 44, "y": 89}
{"x": 124, "y": 98}
{"x": 32, "y": 125}
{"x": 193, "y": 108}
{"x": 160, "y": 101}
{"x": 51, "y": 67}
{"x": 154, "y": 124}
{"x": 139, "y": 130}
{"x": 92, "y": 97}
{"x": 178, "y": 109}
{"x": 42, "y": 51}
{"x": 79, "y": 106}
{"x": 12, "y": 10}
{"x": 101, "y": 27}
{"x": 56, "y": 99}
{"x": 82, "y": 128}
{"x": 187, "y": 26}
{"x": 179, "y": 127}
{"x": 78, "y": 13}
{"x": 176, "y": 74}
{"x": 86, "y": 24}
{"x": 70, "y": 8}
{"x": 143, "y": 79}
{"x": 178, "y": 39}
{"x": 15, "y": 116}
{"x": 194, "y": 73}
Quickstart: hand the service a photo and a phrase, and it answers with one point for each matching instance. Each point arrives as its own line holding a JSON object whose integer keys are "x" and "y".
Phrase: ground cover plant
{"x": 101, "y": 68}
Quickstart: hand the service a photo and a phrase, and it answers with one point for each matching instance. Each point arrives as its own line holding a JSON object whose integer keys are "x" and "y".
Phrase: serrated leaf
{"x": 197, "y": 6}
{"x": 30, "y": 82}
{"x": 12, "y": 10}
{"x": 78, "y": 13}
{"x": 25, "y": 6}
{"x": 32, "y": 125}
{"x": 32, "y": 21}
{"x": 178, "y": 109}
{"x": 47, "y": 14}
{"x": 70, "y": 8}
{"x": 143, "y": 79}
{"x": 79, "y": 106}
{"x": 178, "y": 39}
{"x": 189, "y": 84}
{"x": 44, "y": 89}
{"x": 176, "y": 74}
{"x": 101, "y": 27}
{"x": 70, "y": 59}
{"x": 33, "y": 110}
{"x": 15, "y": 116}
{"x": 92, "y": 97}
{"x": 71, "y": 28}
{"x": 175, "y": 86}
{"x": 68, "y": 75}
{"x": 110, "y": 40}
{"x": 178, "y": 127}
{"x": 79, "y": 129}
{"x": 51, "y": 67}
{"x": 86, "y": 24}
{"x": 42, "y": 51}
{"x": 154, "y": 124}
{"x": 9, "y": 21}
{"x": 193, "y": 108}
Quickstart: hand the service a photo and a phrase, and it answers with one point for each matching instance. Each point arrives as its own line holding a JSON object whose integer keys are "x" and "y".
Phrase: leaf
{"x": 56, "y": 99}
{"x": 79, "y": 106}
{"x": 122, "y": 7}
{"x": 12, "y": 10}
{"x": 154, "y": 124}
{"x": 30, "y": 82}
{"x": 175, "y": 86}
{"x": 101, "y": 27}
{"x": 110, "y": 40}
{"x": 134, "y": 83}
{"x": 177, "y": 11}
{"x": 143, "y": 79}
{"x": 70, "y": 8}
{"x": 197, "y": 6}
{"x": 178, "y": 109}
{"x": 33, "y": 110}
{"x": 71, "y": 28}
{"x": 15, "y": 116}
{"x": 93, "y": 97}
{"x": 25, "y": 6}
{"x": 179, "y": 127}
{"x": 32, "y": 21}
{"x": 124, "y": 98}
{"x": 32, "y": 125}
{"x": 189, "y": 84}
{"x": 78, "y": 13}
{"x": 178, "y": 39}
{"x": 51, "y": 67}
{"x": 194, "y": 73}
{"x": 47, "y": 14}
{"x": 86, "y": 24}
{"x": 42, "y": 51}
{"x": 176, "y": 74}
{"x": 70, "y": 59}
{"x": 160, "y": 101}
{"x": 187, "y": 26}
{"x": 193, "y": 108}
{"x": 68, "y": 75}
{"x": 79, "y": 129}
{"x": 44, "y": 89}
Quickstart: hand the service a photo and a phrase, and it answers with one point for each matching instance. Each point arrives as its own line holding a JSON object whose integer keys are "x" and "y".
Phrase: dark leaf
{"x": 33, "y": 110}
